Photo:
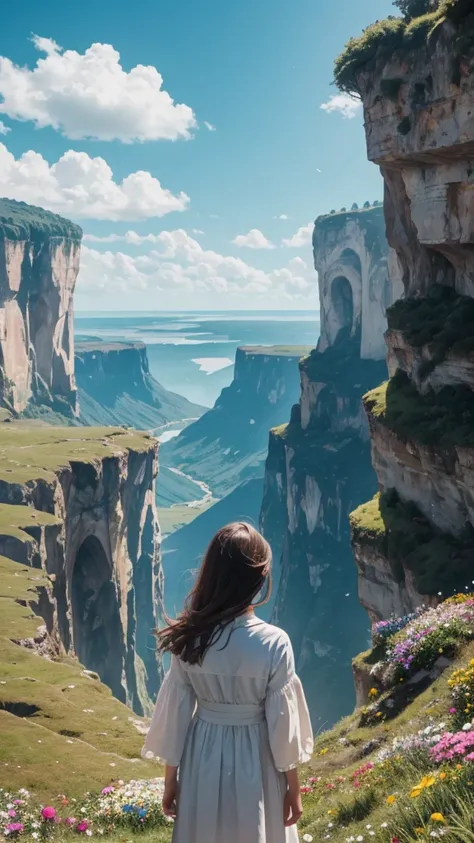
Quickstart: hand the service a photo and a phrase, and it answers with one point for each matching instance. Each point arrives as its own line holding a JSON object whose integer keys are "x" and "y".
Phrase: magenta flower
{"x": 48, "y": 813}
{"x": 12, "y": 813}
{"x": 15, "y": 828}
{"x": 107, "y": 790}
{"x": 452, "y": 711}
{"x": 82, "y": 826}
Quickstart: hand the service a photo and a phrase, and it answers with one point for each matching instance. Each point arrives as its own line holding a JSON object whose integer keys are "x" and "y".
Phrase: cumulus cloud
{"x": 343, "y": 104}
{"x": 209, "y": 126}
{"x": 90, "y": 95}
{"x": 254, "y": 239}
{"x": 179, "y": 263}
{"x": 281, "y": 217}
{"x": 80, "y": 186}
{"x": 302, "y": 237}
{"x": 3, "y": 129}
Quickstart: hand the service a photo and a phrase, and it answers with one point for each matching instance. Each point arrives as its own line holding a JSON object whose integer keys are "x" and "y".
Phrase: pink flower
{"x": 18, "y": 801}
{"x": 305, "y": 789}
{"x": 12, "y": 813}
{"x": 107, "y": 790}
{"x": 15, "y": 828}
{"x": 452, "y": 711}
{"x": 70, "y": 821}
{"x": 48, "y": 813}
{"x": 82, "y": 826}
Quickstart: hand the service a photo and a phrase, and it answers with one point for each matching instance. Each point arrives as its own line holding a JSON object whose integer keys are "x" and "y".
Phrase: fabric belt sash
{"x": 228, "y": 714}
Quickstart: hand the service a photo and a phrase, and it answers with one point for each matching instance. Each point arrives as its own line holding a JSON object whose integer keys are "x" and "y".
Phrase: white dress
{"x": 233, "y": 726}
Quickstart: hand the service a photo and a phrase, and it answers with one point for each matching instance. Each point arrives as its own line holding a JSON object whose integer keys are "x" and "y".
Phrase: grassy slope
{"x": 100, "y": 741}
{"x": 341, "y": 751}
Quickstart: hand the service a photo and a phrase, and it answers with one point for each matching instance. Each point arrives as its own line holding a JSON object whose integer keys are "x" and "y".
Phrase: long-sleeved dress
{"x": 233, "y": 725}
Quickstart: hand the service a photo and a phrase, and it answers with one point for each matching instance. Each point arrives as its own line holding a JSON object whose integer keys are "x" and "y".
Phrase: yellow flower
{"x": 391, "y": 799}
{"x": 427, "y": 781}
{"x": 419, "y": 830}
{"x": 379, "y": 714}
{"x": 373, "y": 692}
{"x": 438, "y": 818}
{"x": 442, "y": 776}
{"x": 323, "y": 751}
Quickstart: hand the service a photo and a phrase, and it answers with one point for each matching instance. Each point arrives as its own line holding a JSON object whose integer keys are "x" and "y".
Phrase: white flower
{"x": 368, "y": 826}
{"x": 434, "y": 834}
{"x": 359, "y": 838}
{"x": 330, "y": 825}
{"x": 89, "y": 832}
{"x": 307, "y": 838}
{"x": 467, "y": 727}
{"x": 384, "y": 825}
{"x": 35, "y": 835}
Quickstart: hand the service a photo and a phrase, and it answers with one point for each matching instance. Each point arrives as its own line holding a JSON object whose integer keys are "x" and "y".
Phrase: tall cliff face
{"x": 115, "y": 387}
{"x": 415, "y": 541}
{"x": 318, "y": 466}
{"x": 80, "y": 504}
{"x": 39, "y": 262}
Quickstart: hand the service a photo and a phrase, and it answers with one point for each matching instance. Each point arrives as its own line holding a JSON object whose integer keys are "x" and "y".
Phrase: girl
{"x": 231, "y": 714}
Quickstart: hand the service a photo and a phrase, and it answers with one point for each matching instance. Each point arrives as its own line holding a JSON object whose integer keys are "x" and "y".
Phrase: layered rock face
{"x": 80, "y": 504}
{"x": 318, "y": 465}
{"x": 39, "y": 262}
{"x": 414, "y": 542}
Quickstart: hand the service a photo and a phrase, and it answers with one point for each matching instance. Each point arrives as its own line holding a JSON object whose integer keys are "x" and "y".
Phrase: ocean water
{"x": 193, "y": 353}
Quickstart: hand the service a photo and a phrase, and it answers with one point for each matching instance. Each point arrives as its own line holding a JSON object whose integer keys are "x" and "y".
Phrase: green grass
{"x": 20, "y": 221}
{"x": 441, "y": 419}
{"x": 76, "y": 733}
{"x": 171, "y": 518}
{"x": 380, "y": 40}
{"x": 30, "y": 451}
{"x": 442, "y": 321}
{"x": 440, "y": 563}
{"x": 15, "y": 521}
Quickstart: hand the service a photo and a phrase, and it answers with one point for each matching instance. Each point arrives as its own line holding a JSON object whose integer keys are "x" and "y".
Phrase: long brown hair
{"x": 234, "y": 569}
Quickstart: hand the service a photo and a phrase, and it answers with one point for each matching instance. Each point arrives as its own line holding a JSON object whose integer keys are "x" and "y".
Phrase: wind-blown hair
{"x": 234, "y": 570}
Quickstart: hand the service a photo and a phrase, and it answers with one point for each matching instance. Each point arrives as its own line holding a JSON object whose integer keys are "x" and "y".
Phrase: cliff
{"x": 80, "y": 505}
{"x": 39, "y": 262}
{"x": 115, "y": 387}
{"x": 414, "y": 542}
{"x": 318, "y": 466}
{"x": 228, "y": 443}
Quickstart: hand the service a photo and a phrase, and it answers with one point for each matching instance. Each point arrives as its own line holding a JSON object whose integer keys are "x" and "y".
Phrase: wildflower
{"x": 373, "y": 692}
{"x": 359, "y": 838}
{"x": 438, "y": 818}
{"x": 467, "y": 727}
{"x": 48, "y": 813}
{"x": 35, "y": 835}
{"x": 70, "y": 821}
{"x": 442, "y": 776}
{"x": 391, "y": 799}
{"x": 427, "y": 781}
{"x": 452, "y": 711}
{"x": 12, "y": 813}
{"x": 420, "y": 830}
{"x": 307, "y": 838}
{"x": 395, "y": 840}
{"x": 15, "y": 828}
{"x": 384, "y": 825}
{"x": 82, "y": 826}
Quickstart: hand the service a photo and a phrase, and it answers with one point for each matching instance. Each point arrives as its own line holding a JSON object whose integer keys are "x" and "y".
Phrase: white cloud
{"x": 209, "y": 126}
{"x": 302, "y": 237}
{"x": 90, "y": 95}
{"x": 346, "y": 105}
{"x": 46, "y": 45}
{"x": 3, "y": 129}
{"x": 179, "y": 263}
{"x": 80, "y": 186}
{"x": 254, "y": 239}
{"x": 282, "y": 217}
{"x": 197, "y": 231}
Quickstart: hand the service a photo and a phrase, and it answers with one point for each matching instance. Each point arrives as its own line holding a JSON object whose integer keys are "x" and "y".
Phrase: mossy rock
{"x": 443, "y": 419}
{"x": 440, "y": 563}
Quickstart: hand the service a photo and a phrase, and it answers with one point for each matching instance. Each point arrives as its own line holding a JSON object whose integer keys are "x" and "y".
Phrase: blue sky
{"x": 257, "y": 72}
